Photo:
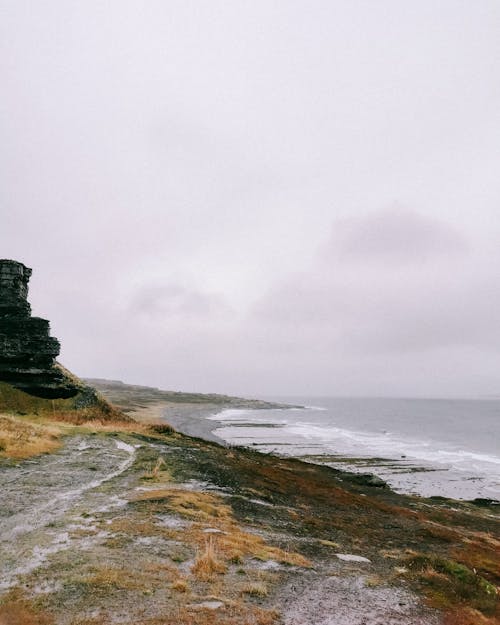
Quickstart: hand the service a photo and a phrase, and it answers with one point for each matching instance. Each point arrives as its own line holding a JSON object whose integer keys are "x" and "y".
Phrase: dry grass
{"x": 233, "y": 543}
{"x": 32, "y": 425}
{"x": 15, "y": 609}
{"x": 468, "y": 616}
{"x": 180, "y": 585}
{"x": 256, "y": 589}
{"x": 78, "y": 409}
{"x": 157, "y": 471}
{"x": 329, "y": 543}
{"x": 192, "y": 504}
{"x": 141, "y": 526}
{"x": 30, "y": 435}
{"x": 207, "y": 564}
{"x": 22, "y": 440}
{"x": 236, "y": 614}
{"x": 106, "y": 579}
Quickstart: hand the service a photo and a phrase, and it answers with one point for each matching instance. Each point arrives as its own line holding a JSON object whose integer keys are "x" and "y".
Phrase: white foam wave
{"x": 386, "y": 444}
{"x": 246, "y": 415}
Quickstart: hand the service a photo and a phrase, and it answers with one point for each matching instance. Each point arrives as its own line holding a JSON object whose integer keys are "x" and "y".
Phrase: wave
{"x": 403, "y": 459}
{"x": 340, "y": 440}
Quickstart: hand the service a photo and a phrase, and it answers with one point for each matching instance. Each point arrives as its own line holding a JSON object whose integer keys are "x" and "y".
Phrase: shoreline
{"x": 190, "y": 419}
{"x": 404, "y": 476}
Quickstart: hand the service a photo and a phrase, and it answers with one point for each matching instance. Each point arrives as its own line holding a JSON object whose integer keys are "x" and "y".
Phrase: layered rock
{"x": 27, "y": 351}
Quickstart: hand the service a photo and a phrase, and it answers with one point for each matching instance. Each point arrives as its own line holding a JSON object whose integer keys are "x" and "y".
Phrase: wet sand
{"x": 186, "y": 418}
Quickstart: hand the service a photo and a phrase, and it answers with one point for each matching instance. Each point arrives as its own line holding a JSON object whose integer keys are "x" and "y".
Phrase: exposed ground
{"x": 135, "y": 524}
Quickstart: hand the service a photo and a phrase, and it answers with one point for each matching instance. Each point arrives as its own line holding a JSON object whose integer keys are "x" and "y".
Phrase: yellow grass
{"x": 207, "y": 563}
{"x": 108, "y": 578}
{"x": 233, "y": 544}
{"x": 16, "y": 609}
{"x": 256, "y": 589}
{"x": 180, "y": 585}
{"x": 193, "y": 504}
{"x": 22, "y": 440}
{"x": 157, "y": 470}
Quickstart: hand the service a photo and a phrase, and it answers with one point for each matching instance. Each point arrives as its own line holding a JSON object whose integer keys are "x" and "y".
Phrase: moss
{"x": 448, "y": 583}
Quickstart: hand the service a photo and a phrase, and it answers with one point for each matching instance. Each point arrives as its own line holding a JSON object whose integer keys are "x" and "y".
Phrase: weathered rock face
{"x": 27, "y": 351}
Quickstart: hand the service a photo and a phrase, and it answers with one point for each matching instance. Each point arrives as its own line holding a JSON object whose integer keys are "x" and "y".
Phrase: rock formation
{"x": 27, "y": 351}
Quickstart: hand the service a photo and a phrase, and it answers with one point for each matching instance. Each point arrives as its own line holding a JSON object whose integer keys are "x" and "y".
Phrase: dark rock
{"x": 485, "y": 503}
{"x": 27, "y": 351}
{"x": 367, "y": 479}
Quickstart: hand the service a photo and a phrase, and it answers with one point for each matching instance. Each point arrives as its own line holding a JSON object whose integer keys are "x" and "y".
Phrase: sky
{"x": 259, "y": 197}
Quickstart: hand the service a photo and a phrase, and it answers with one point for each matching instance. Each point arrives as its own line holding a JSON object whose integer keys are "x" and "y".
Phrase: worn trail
{"x": 44, "y": 497}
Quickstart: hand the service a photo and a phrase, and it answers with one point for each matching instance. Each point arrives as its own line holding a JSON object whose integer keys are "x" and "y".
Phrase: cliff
{"x": 27, "y": 351}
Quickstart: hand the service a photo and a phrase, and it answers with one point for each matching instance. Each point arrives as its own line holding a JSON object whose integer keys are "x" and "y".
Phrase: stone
{"x": 27, "y": 351}
{"x": 368, "y": 479}
{"x": 350, "y": 557}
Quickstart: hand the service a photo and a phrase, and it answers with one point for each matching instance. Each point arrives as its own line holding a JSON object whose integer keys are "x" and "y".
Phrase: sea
{"x": 428, "y": 447}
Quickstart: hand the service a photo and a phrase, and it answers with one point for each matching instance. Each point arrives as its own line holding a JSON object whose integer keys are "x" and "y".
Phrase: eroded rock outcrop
{"x": 27, "y": 351}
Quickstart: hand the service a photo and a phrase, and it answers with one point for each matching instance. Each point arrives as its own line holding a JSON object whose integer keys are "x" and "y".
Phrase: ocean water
{"x": 448, "y": 448}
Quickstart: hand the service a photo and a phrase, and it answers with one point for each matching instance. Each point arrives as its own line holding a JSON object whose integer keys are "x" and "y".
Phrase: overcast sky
{"x": 259, "y": 197}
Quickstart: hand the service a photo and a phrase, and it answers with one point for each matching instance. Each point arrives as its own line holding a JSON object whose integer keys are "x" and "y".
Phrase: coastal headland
{"x": 114, "y": 517}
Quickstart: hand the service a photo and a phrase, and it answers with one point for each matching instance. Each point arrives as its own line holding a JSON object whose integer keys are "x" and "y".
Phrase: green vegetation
{"x": 449, "y": 583}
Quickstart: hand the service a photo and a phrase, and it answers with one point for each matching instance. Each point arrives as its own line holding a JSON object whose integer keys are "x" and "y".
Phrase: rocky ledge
{"x": 27, "y": 351}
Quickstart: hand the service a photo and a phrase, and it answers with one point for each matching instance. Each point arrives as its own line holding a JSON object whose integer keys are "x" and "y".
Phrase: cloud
{"x": 394, "y": 236}
{"x": 375, "y": 288}
{"x": 175, "y": 301}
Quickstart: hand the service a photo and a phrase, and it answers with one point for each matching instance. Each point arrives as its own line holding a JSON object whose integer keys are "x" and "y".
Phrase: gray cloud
{"x": 427, "y": 294}
{"x": 395, "y": 237}
{"x": 176, "y": 301}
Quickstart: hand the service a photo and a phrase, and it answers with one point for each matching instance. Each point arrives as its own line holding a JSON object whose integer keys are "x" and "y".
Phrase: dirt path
{"x": 44, "y": 497}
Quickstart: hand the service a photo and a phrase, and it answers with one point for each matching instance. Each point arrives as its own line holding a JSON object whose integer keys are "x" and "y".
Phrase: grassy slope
{"x": 32, "y": 425}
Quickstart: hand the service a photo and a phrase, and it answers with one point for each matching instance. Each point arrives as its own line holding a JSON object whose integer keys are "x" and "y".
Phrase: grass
{"x": 467, "y": 616}
{"x": 191, "y": 504}
{"x": 86, "y": 405}
{"x": 156, "y": 470}
{"x": 32, "y": 425}
{"x": 16, "y": 609}
{"x": 449, "y": 584}
{"x": 233, "y": 615}
{"x": 103, "y": 580}
{"x": 233, "y": 543}
{"x": 207, "y": 564}
{"x": 22, "y": 440}
{"x": 256, "y": 589}
{"x": 180, "y": 585}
